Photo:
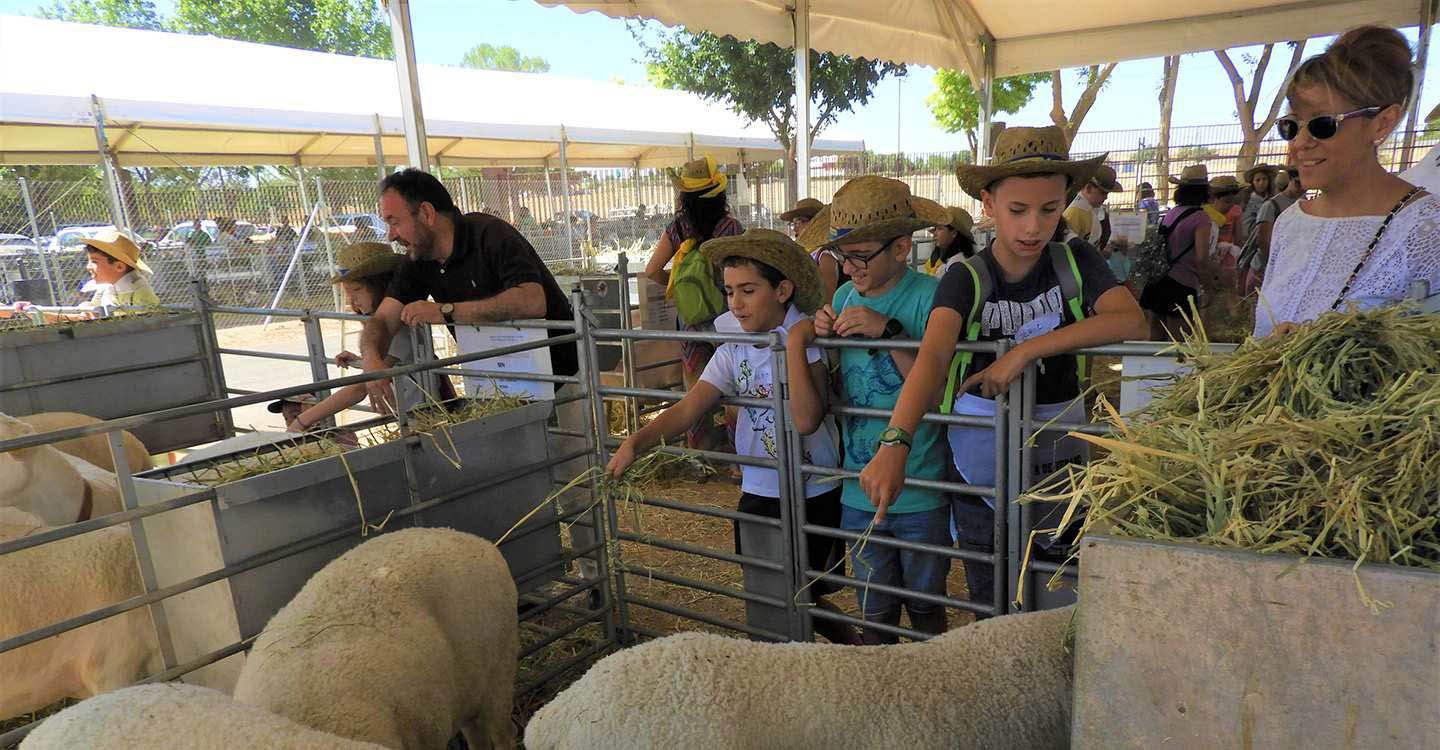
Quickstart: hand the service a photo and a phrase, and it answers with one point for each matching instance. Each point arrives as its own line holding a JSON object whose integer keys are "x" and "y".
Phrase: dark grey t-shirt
{"x": 1030, "y": 307}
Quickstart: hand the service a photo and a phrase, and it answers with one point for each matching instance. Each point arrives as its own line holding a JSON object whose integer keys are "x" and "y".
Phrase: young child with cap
{"x": 770, "y": 285}
{"x": 867, "y": 230}
{"x": 121, "y": 277}
{"x": 1028, "y": 299}
{"x": 365, "y": 270}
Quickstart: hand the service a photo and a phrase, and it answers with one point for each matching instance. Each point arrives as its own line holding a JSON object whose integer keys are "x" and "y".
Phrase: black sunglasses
{"x": 1322, "y": 127}
{"x": 859, "y": 261}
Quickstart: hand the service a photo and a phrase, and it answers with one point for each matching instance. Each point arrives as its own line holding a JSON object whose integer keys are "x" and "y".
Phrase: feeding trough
{"x": 253, "y": 514}
{"x": 118, "y": 367}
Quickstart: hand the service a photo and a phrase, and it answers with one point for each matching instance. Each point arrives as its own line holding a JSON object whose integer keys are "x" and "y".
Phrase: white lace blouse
{"x": 1311, "y": 258}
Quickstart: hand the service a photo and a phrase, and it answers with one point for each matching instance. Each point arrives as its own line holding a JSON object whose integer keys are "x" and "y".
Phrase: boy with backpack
{"x": 1049, "y": 298}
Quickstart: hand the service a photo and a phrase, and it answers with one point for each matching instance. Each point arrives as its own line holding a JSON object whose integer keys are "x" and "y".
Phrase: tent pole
{"x": 565, "y": 197}
{"x": 689, "y": 147}
{"x": 801, "y": 17}
{"x": 413, "y": 115}
{"x": 379, "y": 148}
{"x": 1422, "y": 52}
{"x": 108, "y": 168}
{"x": 987, "y": 98}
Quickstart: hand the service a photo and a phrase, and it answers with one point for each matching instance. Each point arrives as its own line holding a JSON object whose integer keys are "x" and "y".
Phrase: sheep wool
{"x": 999, "y": 684}
{"x": 53, "y": 582}
{"x": 92, "y": 448}
{"x": 176, "y": 715}
{"x": 403, "y": 641}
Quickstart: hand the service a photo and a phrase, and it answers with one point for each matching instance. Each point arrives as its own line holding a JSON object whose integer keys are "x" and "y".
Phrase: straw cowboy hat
{"x": 871, "y": 209}
{"x": 364, "y": 259}
{"x": 961, "y": 221}
{"x": 777, "y": 251}
{"x": 1105, "y": 179}
{"x": 1021, "y": 151}
{"x": 1195, "y": 174}
{"x": 1225, "y": 184}
{"x": 805, "y": 209}
{"x": 1261, "y": 168}
{"x": 116, "y": 245}
{"x": 699, "y": 176}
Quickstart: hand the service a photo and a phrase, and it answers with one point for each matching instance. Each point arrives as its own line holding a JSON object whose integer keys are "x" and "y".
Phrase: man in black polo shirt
{"x": 477, "y": 268}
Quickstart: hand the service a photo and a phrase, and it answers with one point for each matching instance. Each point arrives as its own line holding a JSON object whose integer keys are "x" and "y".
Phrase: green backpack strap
{"x": 1062, "y": 259}
{"x": 984, "y": 284}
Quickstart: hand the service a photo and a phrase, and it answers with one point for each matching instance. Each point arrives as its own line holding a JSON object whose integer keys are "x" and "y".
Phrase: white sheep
{"x": 94, "y": 449}
{"x": 147, "y": 717}
{"x": 998, "y": 684}
{"x": 403, "y": 641}
{"x": 56, "y": 486}
{"x": 53, "y": 582}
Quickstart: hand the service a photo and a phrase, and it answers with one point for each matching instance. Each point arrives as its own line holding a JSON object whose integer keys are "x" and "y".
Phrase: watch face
{"x": 894, "y": 328}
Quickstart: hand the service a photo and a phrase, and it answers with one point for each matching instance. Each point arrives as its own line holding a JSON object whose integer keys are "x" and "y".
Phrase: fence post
{"x": 315, "y": 348}
{"x": 1422, "y": 54}
{"x": 565, "y": 197}
{"x": 1000, "y": 541}
{"x": 627, "y": 347}
{"x": 790, "y": 499}
{"x": 35, "y": 237}
{"x": 323, "y": 217}
{"x": 108, "y": 167}
{"x": 144, "y": 560}
{"x": 379, "y": 148}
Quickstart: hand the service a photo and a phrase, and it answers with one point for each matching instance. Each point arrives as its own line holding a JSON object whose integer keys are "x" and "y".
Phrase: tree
{"x": 1094, "y": 77}
{"x": 755, "y": 81}
{"x": 956, "y": 106}
{"x": 1246, "y": 105}
{"x": 490, "y": 57}
{"x": 345, "y": 27}
{"x": 1167, "y": 107}
{"x": 129, "y": 14}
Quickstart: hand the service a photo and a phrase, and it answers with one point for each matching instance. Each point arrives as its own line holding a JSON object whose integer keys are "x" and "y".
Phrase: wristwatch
{"x": 448, "y": 310}
{"x": 895, "y": 436}
{"x": 893, "y": 328}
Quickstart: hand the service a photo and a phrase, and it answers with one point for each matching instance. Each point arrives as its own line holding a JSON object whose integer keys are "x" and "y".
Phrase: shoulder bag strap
{"x": 984, "y": 284}
{"x": 1370, "y": 249}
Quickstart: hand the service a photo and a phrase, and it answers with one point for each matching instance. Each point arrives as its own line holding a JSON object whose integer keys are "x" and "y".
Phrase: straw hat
{"x": 805, "y": 209}
{"x": 1261, "y": 168}
{"x": 699, "y": 176}
{"x": 1195, "y": 174}
{"x": 870, "y": 209}
{"x": 364, "y": 259}
{"x": 777, "y": 251}
{"x": 1225, "y": 184}
{"x": 1021, "y": 151}
{"x": 961, "y": 221}
{"x": 120, "y": 247}
{"x": 1105, "y": 179}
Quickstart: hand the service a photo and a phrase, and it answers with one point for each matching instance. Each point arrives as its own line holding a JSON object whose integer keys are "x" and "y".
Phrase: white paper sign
{"x": 1150, "y": 373}
{"x": 1131, "y": 226}
{"x": 475, "y": 339}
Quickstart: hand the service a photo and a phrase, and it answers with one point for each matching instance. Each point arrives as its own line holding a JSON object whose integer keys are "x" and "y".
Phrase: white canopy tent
{"x": 997, "y": 38}
{"x": 175, "y": 99}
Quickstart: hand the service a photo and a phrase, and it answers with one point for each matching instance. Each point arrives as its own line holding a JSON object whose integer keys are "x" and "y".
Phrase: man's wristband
{"x": 895, "y": 436}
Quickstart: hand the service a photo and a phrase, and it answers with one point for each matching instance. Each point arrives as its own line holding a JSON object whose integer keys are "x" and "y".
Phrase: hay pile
{"x": 1322, "y": 443}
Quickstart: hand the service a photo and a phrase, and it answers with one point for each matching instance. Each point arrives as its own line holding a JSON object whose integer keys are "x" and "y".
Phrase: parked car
{"x": 362, "y": 227}
{"x": 180, "y": 233}
{"x": 16, "y": 244}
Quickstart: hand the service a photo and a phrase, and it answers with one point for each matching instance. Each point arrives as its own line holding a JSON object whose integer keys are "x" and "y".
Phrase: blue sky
{"x": 596, "y": 47}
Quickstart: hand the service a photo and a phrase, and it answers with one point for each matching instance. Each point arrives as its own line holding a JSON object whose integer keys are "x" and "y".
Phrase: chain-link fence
{"x": 272, "y": 243}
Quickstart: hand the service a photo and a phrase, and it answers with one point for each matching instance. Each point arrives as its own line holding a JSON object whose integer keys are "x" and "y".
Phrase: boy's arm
{"x": 807, "y": 391}
{"x": 340, "y": 400}
{"x": 702, "y": 397}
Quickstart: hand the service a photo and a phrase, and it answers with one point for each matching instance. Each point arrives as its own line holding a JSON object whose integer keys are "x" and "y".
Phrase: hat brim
{"x": 800, "y": 213}
{"x": 1269, "y": 169}
{"x": 928, "y": 213}
{"x": 109, "y": 249}
{"x": 372, "y": 267}
{"x": 1112, "y": 187}
{"x": 803, "y": 272}
{"x": 1178, "y": 181}
{"x": 975, "y": 178}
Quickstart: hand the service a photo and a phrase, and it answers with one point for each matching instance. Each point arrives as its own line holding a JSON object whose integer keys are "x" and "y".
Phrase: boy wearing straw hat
{"x": 1087, "y": 217}
{"x": 770, "y": 286}
{"x": 121, "y": 277}
{"x": 1024, "y": 189}
{"x": 867, "y": 231}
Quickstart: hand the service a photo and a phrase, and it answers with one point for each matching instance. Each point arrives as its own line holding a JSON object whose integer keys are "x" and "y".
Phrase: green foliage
{"x": 130, "y": 14}
{"x": 1147, "y": 155}
{"x": 1196, "y": 153}
{"x": 346, "y": 27}
{"x": 956, "y": 106}
{"x": 755, "y": 80}
{"x": 490, "y": 57}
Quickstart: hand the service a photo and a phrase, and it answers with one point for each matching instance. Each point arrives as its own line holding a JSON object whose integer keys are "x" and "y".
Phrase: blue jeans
{"x": 891, "y": 566}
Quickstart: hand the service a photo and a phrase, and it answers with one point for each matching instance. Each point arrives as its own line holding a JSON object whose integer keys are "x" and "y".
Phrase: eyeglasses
{"x": 1322, "y": 127}
{"x": 859, "y": 261}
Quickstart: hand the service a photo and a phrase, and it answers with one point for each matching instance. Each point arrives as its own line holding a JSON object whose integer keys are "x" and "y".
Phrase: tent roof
{"x": 177, "y": 99}
{"x": 1030, "y": 35}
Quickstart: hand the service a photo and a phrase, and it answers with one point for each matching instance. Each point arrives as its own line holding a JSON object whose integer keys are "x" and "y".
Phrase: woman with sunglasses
{"x": 1369, "y": 235}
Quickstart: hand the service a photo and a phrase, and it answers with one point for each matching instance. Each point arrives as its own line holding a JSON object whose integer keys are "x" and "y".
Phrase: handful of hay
{"x": 1322, "y": 443}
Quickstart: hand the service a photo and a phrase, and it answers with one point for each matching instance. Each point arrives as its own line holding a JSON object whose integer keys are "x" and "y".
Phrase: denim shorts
{"x": 891, "y": 566}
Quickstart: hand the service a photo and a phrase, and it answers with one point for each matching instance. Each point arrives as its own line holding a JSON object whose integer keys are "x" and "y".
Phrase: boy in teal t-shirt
{"x": 867, "y": 231}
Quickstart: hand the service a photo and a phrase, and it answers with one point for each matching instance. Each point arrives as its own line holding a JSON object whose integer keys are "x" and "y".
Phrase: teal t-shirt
{"x": 872, "y": 381}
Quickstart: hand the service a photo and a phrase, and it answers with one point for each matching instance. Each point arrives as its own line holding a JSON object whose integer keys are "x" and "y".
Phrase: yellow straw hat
{"x": 364, "y": 259}
{"x": 120, "y": 247}
{"x": 869, "y": 209}
{"x": 1195, "y": 174}
{"x": 1021, "y": 151}
{"x": 699, "y": 176}
{"x": 778, "y": 251}
{"x": 961, "y": 221}
{"x": 1225, "y": 183}
{"x": 805, "y": 209}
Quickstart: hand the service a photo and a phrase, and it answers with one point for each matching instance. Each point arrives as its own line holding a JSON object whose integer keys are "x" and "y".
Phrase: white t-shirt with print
{"x": 744, "y": 370}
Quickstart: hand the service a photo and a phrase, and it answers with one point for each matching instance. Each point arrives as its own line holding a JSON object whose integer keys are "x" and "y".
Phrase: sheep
{"x": 1000, "y": 683}
{"x": 176, "y": 715}
{"x": 403, "y": 641}
{"x": 92, "y": 448}
{"x": 57, "y": 487}
{"x": 52, "y": 582}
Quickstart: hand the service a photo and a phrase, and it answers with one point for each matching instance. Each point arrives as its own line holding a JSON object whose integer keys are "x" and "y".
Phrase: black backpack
{"x": 1152, "y": 257}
